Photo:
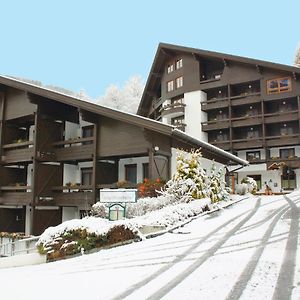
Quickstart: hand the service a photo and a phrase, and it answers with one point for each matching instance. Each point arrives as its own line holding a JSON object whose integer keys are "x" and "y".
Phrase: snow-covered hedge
{"x": 72, "y": 236}
{"x": 251, "y": 184}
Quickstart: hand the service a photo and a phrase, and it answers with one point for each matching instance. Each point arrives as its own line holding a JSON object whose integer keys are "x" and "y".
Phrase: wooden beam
{"x": 151, "y": 163}
{"x": 95, "y": 165}
{"x": 156, "y": 75}
{"x": 259, "y": 69}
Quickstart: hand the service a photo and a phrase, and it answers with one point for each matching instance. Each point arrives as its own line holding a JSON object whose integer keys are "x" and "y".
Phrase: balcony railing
{"x": 215, "y": 124}
{"x": 225, "y": 145}
{"x": 283, "y": 140}
{"x": 246, "y": 121}
{"x": 173, "y": 110}
{"x": 245, "y": 98}
{"x": 17, "y": 152}
{"x": 214, "y": 103}
{"x": 247, "y": 143}
{"x": 285, "y": 116}
{"x": 74, "y": 149}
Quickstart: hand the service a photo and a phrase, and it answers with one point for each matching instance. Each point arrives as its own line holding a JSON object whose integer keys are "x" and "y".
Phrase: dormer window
{"x": 178, "y": 63}
{"x": 170, "y": 68}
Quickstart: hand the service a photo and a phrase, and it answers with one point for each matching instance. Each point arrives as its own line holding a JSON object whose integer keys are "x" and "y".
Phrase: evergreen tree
{"x": 189, "y": 181}
{"x": 217, "y": 185}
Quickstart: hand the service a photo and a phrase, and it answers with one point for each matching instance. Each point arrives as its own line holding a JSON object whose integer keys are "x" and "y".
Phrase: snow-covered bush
{"x": 217, "y": 185}
{"x": 72, "y": 236}
{"x": 251, "y": 184}
{"x": 190, "y": 180}
{"x": 242, "y": 189}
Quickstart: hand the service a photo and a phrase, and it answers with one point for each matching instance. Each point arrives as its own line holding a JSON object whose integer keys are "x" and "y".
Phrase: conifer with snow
{"x": 189, "y": 181}
{"x": 217, "y": 185}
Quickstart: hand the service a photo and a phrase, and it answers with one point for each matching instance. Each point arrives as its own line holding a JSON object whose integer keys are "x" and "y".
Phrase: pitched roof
{"x": 133, "y": 119}
{"x": 158, "y": 66}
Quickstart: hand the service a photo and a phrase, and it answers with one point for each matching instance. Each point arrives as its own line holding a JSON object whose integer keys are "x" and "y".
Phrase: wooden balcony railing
{"x": 173, "y": 110}
{"x": 215, "y": 124}
{"x": 283, "y": 140}
{"x": 245, "y": 98}
{"x": 214, "y": 103}
{"x": 247, "y": 121}
{"x": 225, "y": 145}
{"x": 284, "y": 116}
{"x": 247, "y": 143}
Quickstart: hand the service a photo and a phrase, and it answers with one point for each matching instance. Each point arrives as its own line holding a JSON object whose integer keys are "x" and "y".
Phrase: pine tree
{"x": 189, "y": 181}
{"x": 217, "y": 185}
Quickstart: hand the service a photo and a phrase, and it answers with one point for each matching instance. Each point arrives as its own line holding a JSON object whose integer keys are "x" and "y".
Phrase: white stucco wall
{"x": 193, "y": 115}
{"x": 69, "y": 213}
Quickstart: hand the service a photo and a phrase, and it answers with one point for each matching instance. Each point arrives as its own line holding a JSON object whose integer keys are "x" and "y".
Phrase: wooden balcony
{"x": 250, "y": 143}
{"x": 292, "y": 162}
{"x": 15, "y": 196}
{"x": 246, "y": 121}
{"x": 214, "y": 103}
{"x": 282, "y": 117}
{"x": 173, "y": 110}
{"x": 225, "y": 145}
{"x": 74, "y": 150}
{"x": 18, "y": 152}
{"x": 245, "y": 98}
{"x": 215, "y": 125}
{"x": 283, "y": 140}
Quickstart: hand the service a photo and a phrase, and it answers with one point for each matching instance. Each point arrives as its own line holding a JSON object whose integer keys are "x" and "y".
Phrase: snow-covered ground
{"x": 247, "y": 251}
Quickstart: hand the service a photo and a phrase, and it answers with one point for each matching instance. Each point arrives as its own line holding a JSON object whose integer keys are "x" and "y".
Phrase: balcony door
{"x": 131, "y": 173}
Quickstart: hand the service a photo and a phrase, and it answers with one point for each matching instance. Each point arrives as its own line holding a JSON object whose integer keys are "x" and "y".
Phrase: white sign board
{"x": 118, "y": 195}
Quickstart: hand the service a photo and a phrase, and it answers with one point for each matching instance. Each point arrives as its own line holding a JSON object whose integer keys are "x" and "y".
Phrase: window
{"x": 170, "y": 86}
{"x": 131, "y": 173}
{"x": 87, "y": 131}
{"x": 86, "y": 176}
{"x": 286, "y": 130}
{"x": 177, "y": 102}
{"x": 145, "y": 170}
{"x": 179, "y": 63}
{"x": 288, "y": 179}
{"x": 279, "y": 85}
{"x": 257, "y": 178}
{"x": 287, "y": 153}
{"x": 179, "y": 82}
{"x": 170, "y": 68}
{"x": 177, "y": 121}
{"x": 222, "y": 136}
{"x": 253, "y": 155}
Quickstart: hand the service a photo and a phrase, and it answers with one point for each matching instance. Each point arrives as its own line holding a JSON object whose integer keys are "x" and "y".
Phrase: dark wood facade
{"x": 243, "y": 110}
{"x": 35, "y": 149}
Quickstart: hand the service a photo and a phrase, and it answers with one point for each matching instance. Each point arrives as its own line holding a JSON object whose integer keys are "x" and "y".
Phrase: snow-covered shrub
{"x": 100, "y": 210}
{"x": 189, "y": 181}
{"x": 251, "y": 183}
{"x": 217, "y": 185}
{"x": 72, "y": 236}
{"x": 242, "y": 189}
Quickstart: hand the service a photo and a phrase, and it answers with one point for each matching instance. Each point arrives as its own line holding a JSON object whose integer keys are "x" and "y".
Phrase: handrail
{"x": 73, "y": 187}
{"x": 15, "y": 188}
{"x": 17, "y": 145}
{"x": 245, "y": 95}
{"x": 282, "y": 136}
{"x": 278, "y": 113}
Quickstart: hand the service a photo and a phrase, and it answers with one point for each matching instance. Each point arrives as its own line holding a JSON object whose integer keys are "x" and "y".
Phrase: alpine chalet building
{"x": 245, "y": 106}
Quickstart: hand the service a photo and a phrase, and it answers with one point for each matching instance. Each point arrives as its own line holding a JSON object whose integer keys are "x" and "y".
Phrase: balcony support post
{"x": 95, "y": 162}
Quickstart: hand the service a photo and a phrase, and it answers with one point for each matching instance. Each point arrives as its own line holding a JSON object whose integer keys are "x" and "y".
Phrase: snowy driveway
{"x": 248, "y": 251}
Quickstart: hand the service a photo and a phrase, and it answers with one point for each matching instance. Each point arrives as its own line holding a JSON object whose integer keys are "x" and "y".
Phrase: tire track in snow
{"x": 284, "y": 285}
{"x": 181, "y": 257}
{"x": 246, "y": 275}
{"x": 209, "y": 253}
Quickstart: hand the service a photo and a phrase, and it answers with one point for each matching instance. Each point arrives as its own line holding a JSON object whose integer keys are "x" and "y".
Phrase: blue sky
{"x": 91, "y": 44}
